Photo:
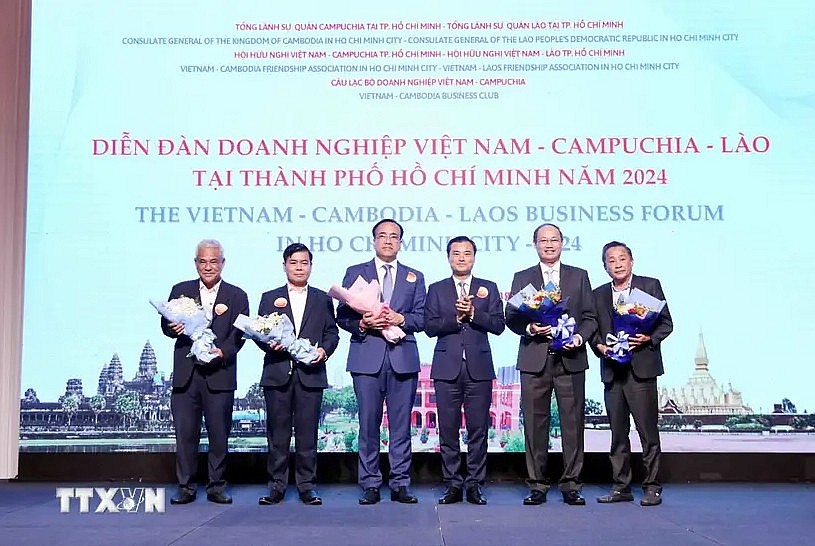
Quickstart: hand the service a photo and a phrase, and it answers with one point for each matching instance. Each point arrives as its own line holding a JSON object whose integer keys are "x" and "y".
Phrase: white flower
{"x": 265, "y": 324}
{"x": 183, "y": 305}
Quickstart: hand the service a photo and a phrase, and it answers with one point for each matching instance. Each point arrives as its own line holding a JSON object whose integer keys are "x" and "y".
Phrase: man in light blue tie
{"x": 383, "y": 371}
{"x": 545, "y": 370}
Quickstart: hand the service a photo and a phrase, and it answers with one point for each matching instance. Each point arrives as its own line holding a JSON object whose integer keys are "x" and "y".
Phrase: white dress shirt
{"x": 555, "y": 269}
{"x": 467, "y": 284}
{"x": 297, "y": 301}
{"x": 380, "y": 272}
{"x": 208, "y": 297}
{"x": 624, "y": 292}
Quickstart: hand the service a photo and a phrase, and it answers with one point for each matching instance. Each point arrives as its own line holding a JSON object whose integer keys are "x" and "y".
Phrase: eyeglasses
{"x": 203, "y": 263}
{"x": 544, "y": 241}
{"x": 385, "y": 237}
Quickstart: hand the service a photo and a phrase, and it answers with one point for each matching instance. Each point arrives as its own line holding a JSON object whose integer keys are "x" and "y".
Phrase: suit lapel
{"x": 565, "y": 280}
{"x": 474, "y": 286}
{"x": 606, "y": 303}
{"x": 308, "y": 312}
{"x": 221, "y": 298}
{"x": 283, "y": 292}
{"x": 398, "y": 285}
{"x": 537, "y": 277}
{"x": 450, "y": 290}
{"x": 369, "y": 272}
{"x": 192, "y": 291}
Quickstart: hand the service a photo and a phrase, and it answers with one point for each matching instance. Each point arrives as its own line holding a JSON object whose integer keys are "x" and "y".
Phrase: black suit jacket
{"x": 221, "y": 372}
{"x": 456, "y": 339}
{"x": 319, "y": 327}
{"x": 532, "y": 350}
{"x": 646, "y": 360}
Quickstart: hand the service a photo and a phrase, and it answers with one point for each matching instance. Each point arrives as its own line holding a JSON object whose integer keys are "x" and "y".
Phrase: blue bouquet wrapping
{"x": 636, "y": 314}
{"x": 277, "y": 328}
{"x": 187, "y": 312}
{"x": 547, "y": 307}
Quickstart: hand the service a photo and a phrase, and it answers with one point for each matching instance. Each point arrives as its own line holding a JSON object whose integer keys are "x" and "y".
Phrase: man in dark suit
{"x": 461, "y": 310}
{"x": 384, "y": 371}
{"x": 294, "y": 390}
{"x": 201, "y": 388}
{"x": 544, "y": 369}
{"x": 630, "y": 389}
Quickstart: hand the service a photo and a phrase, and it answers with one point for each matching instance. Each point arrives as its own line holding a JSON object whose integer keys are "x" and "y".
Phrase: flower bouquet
{"x": 546, "y": 306}
{"x": 189, "y": 313}
{"x": 363, "y": 297}
{"x": 277, "y": 328}
{"x": 636, "y": 314}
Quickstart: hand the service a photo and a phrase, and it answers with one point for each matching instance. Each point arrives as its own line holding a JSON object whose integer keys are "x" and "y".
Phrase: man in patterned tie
{"x": 383, "y": 371}
{"x": 544, "y": 369}
{"x": 460, "y": 311}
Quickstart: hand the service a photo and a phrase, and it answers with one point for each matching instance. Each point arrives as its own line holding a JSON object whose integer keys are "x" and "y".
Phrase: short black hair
{"x": 535, "y": 233}
{"x": 460, "y": 239}
{"x": 296, "y": 247}
{"x": 392, "y": 221}
{"x": 612, "y": 244}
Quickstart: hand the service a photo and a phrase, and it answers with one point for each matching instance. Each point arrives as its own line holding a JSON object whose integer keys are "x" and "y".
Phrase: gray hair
{"x": 210, "y": 243}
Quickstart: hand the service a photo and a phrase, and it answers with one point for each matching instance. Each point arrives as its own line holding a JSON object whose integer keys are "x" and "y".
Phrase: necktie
{"x": 620, "y": 299}
{"x": 550, "y": 276}
{"x": 387, "y": 283}
{"x": 462, "y": 294}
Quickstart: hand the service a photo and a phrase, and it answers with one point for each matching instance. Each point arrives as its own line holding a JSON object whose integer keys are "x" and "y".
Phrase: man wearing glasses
{"x": 205, "y": 389}
{"x": 544, "y": 370}
{"x": 385, "y": 371}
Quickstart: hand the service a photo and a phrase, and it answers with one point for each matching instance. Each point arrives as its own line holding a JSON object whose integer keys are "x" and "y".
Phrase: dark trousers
{"x": 398, "y": 390}
{"x": 536, "y": 401}
{"x": 475, "y": 397}
{"x": 627, "y": 396}
{"x": 287, "y": 406}
{"x": 188, "y": 404}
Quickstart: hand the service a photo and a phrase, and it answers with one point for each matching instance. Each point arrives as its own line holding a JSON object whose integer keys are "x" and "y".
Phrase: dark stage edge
{"x": 341, "y": 468}
{"x": 692, "y": 514}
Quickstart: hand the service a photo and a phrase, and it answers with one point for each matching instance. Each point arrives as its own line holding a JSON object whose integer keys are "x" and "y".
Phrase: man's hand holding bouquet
{"x": 363, "y": 297}
{"x": 634, "y": 319}
{"x": 277, "y": 331}
{"x": 547, "y": 310}
{"x": 187, "y": 317}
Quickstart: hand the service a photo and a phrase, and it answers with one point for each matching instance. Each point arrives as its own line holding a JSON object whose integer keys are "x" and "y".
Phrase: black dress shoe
{"x": 310, "y": 497}
{"x": 535, "y": 497}
{"x": 451, "y": 496}
{"x": 403, "y": 495}
{"x": 475, "y": 496}
{"x": 616, "y": 496}
{"x": 370, "y": 496}
{"x": 184, "y": 496}
{"x": 651, "y": 498}
{"x": 219, "y": 497}
{"x": 573, "y": 498}
{"x": 275, "y": 497}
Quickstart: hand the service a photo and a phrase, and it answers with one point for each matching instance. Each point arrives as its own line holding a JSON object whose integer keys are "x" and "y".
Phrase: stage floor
{"x": 703, "y": 514}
